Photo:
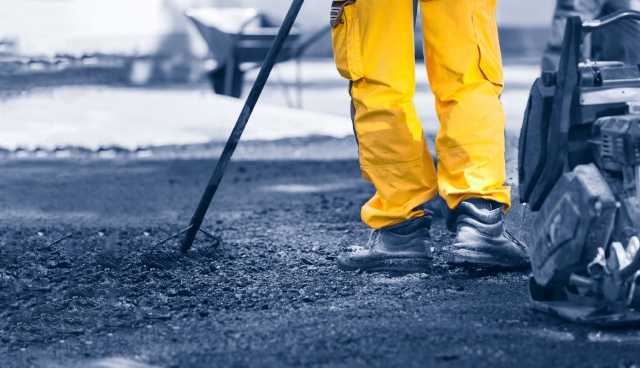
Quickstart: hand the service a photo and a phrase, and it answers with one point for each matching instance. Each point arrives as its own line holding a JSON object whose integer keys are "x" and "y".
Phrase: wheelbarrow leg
{"x": 299, "y": 82}
{"x": 243, "y": 119}
{"x": 229, "y": 75}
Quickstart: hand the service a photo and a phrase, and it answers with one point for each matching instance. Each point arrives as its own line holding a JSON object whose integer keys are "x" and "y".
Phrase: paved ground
{"x": 266, "y": 293}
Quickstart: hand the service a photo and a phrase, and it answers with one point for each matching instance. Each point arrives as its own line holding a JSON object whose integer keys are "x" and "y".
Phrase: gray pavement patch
{"x": 119, "y": 362}
{"x": 311, "y": 188}
{"x": 553, "y": 335}
{"x": 401, "y": 280}
{"x": 628, "y": 337}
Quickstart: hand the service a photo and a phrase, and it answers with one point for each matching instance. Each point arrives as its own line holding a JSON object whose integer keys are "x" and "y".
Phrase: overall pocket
{"x": 345, "y": 35}
{"x": 486, "y": 32}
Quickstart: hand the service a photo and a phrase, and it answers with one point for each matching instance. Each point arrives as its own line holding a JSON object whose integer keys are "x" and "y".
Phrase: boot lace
{"x": 374, "y": 235}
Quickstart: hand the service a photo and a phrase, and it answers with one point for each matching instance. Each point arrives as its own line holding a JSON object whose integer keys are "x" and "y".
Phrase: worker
{"x": 617, "y": 42}
{"x": 373, "y": 43}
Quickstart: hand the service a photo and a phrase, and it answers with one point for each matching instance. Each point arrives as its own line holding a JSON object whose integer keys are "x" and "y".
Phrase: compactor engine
{"x": 579, "y": 170}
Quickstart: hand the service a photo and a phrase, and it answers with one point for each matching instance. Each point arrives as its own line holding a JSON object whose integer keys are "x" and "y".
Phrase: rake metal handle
{"x": 241, "y": 123}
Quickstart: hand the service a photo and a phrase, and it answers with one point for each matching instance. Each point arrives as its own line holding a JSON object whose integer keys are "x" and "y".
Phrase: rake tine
{"x": 173, "y": 236}
{"x": 210, "y": 235}
{"x": 68, "y": 236}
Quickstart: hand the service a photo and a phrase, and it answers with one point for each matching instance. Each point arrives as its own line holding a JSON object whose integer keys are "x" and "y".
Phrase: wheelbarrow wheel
{"x": 217, "y": 78}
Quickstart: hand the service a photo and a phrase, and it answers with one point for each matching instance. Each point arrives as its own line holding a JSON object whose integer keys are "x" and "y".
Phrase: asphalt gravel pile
{"x": 82, "y": 279}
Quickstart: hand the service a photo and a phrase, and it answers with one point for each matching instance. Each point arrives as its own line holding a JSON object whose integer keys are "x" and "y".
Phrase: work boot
{"x": 481, "y": 239}
{"x": 402, "y": 248}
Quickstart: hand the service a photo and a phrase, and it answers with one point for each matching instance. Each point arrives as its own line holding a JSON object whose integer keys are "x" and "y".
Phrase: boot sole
{"x": 400, "y": 265}
{"x": 483, "y": 260}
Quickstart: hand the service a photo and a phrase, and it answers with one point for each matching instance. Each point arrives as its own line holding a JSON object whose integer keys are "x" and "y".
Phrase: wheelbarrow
{"x": 239, "y": 36}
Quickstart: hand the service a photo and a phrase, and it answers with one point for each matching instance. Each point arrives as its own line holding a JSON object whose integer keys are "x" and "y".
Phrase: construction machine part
{"x": 563, "y": 105}
{"x": 618, "y": 142}
{"x": 576, "y": 219}
{"x": 575, "y": 309}
{"x": 548, "y": 120}
{"x": 606, "y": 294}
{"x": 532, "y": 154}
{"x": 579, "y": 168}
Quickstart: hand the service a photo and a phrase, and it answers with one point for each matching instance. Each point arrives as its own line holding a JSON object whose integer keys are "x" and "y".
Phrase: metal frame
{"x": 565, "y": 100}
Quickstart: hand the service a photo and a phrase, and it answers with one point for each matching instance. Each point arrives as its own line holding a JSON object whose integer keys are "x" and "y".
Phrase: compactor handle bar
{"x": 593, "y": 25}
{"x": 566, "y": 81}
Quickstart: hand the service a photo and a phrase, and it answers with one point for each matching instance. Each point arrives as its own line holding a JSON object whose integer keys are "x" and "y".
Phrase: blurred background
{"x": 143, "y": 26}
{"x": 124, "y": 76}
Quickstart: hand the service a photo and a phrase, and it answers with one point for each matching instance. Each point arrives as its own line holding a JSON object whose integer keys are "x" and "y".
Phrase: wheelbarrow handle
{"x": 247, "y": 23}
{"x": 593, "y": 25}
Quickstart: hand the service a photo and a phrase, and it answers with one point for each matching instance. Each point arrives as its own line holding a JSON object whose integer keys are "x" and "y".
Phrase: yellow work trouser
{"x": 373, "y": 44}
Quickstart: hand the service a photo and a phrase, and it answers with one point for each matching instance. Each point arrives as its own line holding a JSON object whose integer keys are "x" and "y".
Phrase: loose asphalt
{"x": 264, "y": 292}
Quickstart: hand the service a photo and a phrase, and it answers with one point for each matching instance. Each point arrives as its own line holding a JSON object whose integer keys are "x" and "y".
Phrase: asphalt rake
{"x": 195, "y": 224}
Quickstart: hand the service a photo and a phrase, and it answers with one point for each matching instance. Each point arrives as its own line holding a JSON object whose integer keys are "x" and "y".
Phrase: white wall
{"x": 525, "y": 12}
{"x": 510, "y": 13}
{"x": 76, "y": 26}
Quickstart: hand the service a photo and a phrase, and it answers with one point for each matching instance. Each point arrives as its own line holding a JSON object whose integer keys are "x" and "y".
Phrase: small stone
{"x": 447, "y": 357}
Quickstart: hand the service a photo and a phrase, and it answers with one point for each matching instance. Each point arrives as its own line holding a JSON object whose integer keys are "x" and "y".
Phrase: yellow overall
{"x": 373, "y": 42}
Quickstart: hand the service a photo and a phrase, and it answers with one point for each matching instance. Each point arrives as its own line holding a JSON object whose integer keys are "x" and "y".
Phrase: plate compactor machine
{"x": 579, "y": 170}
